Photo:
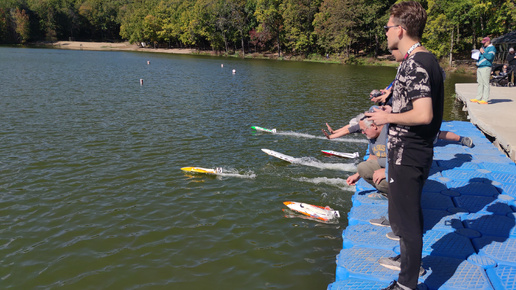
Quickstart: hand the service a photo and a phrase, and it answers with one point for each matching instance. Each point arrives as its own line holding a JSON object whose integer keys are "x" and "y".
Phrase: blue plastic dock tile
{"x": 486, "y": 204}
{"x": 443, "y": 180}
{"x": 362, "y": 214}
{"x": 361, "y": 198}
{"x": 450, "y": 193}
{"x": 491, "y": 158}
{"x": 368, "y": 236}
{"x": 502, "y": 277}
{"x": 446, "y": 244}
{"x": 490, "y": 224}
{"x": 450, "y": 274}
{"x": 482, "y": 261}
{"x": 504, "y": 177}
{"x": 435, "y": 172}
{"x": 509, "y": 189}
{"x": 477, "y": 186}
{"x": 500, "y": 249}
{"x": 354, "y": 284}
{"x": 362, "y": 185}
{"x": 441, "y": 220}
{"x": 362, "y": 263}
{"x": 434, "y": 186}
{"x": 440, "y": 154}
{"x": 512, "y": 217}
{"x": 436, "y": 200}
{"x": 466, "y": 175}
{"x": 456, "y": 164}
{"x": 497, "y": 167}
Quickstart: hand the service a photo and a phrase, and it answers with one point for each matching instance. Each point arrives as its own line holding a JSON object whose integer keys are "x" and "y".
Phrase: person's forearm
{"x": 410, "y": 118}
{"x": 421, "y": 114}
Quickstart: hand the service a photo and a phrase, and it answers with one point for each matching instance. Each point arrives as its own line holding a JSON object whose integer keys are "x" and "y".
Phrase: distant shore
{"x": 126, "y": 46}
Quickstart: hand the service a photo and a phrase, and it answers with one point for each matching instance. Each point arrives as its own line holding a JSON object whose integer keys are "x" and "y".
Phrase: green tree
{"x": 270, "y": 21}
{"x": 298, "y": 18}
{"x": 374, "y": 16}
{"x": 336, "y": 24}
{"x": 132, "y": 20}
{"x": 102, "y": 17}
{"x": 443, "y": 28}
{"x": 168, "y": 16}
{"x": 21, "y": 21}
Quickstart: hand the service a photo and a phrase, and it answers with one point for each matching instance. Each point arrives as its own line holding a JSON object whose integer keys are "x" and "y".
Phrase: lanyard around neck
{"x": 411, "y": 49}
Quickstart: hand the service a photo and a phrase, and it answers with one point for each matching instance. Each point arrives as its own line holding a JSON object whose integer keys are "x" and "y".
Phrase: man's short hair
{"x": 368, "y": 122}
{"x": 411, "y": 16}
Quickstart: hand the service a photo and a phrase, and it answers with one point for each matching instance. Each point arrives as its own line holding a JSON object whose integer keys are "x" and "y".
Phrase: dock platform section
{"x": 469, "y": 212}
{"x": 497, "y": 119}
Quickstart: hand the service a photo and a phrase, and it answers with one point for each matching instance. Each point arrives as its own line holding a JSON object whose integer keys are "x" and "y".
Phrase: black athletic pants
{"x": 406, "y": 217}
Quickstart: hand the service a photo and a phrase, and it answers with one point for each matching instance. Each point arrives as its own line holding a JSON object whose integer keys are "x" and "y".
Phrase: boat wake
{"x": 234, "y": 173}
{"x": 337, "y": 182}
{"x": 310, "y": 136}
{"x": 312, "y": 162}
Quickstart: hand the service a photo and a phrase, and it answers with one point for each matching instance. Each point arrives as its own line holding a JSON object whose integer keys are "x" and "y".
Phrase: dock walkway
{"x": 497, "y": 119}
{"x": 469, "y": 214}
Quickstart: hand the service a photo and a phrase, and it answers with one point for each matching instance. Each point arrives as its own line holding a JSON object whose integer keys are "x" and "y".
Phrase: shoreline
{"x": 115, "y": 46}
{"x": 126, "y": 46}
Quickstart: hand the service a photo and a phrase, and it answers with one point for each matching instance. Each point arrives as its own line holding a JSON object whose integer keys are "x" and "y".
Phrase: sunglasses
{"x": 389, "y": 27}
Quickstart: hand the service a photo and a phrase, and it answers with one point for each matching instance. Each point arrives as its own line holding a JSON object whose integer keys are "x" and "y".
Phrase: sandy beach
{"x": 81, "y": 45}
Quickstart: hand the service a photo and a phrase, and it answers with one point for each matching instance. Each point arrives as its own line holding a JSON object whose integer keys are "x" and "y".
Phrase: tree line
{"x": 298, "y": 27}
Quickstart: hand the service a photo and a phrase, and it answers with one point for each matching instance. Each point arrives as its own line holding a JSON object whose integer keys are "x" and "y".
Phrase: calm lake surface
{"x": 91, "y": 191}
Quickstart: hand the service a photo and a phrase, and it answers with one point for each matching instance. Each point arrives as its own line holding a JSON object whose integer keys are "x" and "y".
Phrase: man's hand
{"x": 380, "y": 115}
{"x": 352, "y": 180}
{"x": 421, "y": 114}
{"x": 382, "y": 98}
{"x": 379, "y": 175}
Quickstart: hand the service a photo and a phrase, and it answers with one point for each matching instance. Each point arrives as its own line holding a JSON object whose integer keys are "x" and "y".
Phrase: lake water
{"x": 91, "y": 191}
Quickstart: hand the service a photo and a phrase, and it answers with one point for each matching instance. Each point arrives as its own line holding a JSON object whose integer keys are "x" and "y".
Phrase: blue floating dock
{"x": 469, "y": 209}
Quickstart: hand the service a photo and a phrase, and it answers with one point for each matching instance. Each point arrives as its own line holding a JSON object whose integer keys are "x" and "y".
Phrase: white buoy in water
{"x": 141, "y": 82}
{"x": 221, "y": 65}
{"x": 148, "y": 62}
{"x": 234, "y": 71}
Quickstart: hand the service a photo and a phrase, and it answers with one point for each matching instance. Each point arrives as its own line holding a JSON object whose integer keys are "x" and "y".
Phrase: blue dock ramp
{"x": 469, "y": 214}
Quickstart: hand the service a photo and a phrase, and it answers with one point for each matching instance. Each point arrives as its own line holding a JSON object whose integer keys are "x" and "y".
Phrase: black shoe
{"x": 394, "y": 286}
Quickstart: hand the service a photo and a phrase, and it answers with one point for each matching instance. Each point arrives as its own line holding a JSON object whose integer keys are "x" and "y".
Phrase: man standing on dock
{"x": 484, "y": 64}
{"x": 415, "y": 119}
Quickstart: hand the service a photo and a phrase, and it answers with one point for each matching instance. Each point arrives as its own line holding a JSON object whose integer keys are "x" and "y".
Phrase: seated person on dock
{"x": 353, "y": 127}
{"x": 373, "y": 169}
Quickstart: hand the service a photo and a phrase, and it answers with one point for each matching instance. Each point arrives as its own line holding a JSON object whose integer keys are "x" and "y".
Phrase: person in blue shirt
{"x": 484, "y": 64}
